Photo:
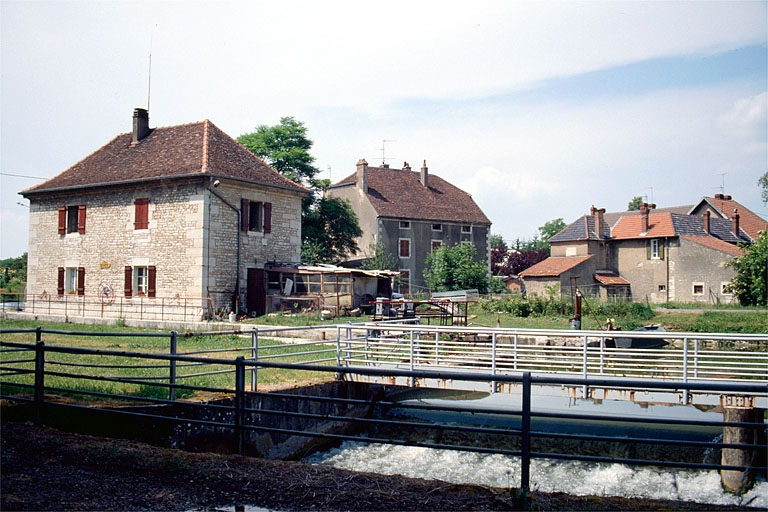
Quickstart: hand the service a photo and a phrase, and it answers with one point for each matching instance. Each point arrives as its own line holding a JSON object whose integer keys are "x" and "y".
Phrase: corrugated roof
{"x": 554, "y": 266}
{"x": 191, "y": 149}
{"x": 398, "y": 193}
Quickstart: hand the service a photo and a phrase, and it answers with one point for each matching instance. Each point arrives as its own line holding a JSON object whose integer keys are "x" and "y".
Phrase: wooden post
{"x": 739, "y": 409}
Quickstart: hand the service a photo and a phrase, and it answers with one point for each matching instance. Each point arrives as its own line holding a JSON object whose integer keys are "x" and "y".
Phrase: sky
{"x": 538, "y": 109}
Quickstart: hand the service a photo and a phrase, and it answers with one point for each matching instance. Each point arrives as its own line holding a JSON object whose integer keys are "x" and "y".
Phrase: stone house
{"x": 659, "y": 256}
{"x": 411, "y": 213}
{"x": 182, "y": 216}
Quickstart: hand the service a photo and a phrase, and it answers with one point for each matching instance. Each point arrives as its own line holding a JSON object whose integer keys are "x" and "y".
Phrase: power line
{"x": 22, "y": 176}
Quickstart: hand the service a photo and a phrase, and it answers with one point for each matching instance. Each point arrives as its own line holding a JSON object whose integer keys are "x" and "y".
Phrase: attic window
{"x": 437, "y": 227}
{"x": 404, "y": 224}
{"x": 466, "y": 229}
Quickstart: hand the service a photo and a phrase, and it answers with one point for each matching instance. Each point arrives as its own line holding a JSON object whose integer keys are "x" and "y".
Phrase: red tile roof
{"x": 554, "y": 266}
{"x": 191, "y": 149}
{"x": 610, "y": 279}
{"x": 715, "y": 243}
{"x": 630, "y": 226}
{"x": 398, "y": 193}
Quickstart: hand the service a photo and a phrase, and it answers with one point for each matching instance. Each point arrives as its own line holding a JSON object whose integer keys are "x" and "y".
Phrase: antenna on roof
{"x": 383, "y": 144}
{"x": 722, "y": 180}
{"x": 646, "y": 196}
{"x": 149, "y": 80}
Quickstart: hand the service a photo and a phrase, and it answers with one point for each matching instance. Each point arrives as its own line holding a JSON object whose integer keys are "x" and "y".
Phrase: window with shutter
{"x": 81, "y": 281}
{"x": 254, "y": 216}
{"x": 267, "y": 217}
{"x": 245, "y": 206}
{"x": 62, "y": 220}
{"x": 151, "y": 281}
{"x": 60, "y": 286}
{"x": 128, "y": 290}
{"x": 405, "y": 248}
{"x": 81, "y": 219}
{"x": 141, "y": 214}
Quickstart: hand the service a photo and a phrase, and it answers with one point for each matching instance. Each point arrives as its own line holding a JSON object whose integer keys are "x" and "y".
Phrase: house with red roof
{"x": 179, "y": 216}
{"x": 655, "y": 255}
{"x": 410, "y": 213}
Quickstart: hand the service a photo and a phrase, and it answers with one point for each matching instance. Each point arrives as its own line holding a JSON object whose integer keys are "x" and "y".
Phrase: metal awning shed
{"x": 325, "y": 287}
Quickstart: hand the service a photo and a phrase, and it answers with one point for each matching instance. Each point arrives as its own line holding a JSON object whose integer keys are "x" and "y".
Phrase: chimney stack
{"x": 406, "y": 166}
{"x": 735, "y": 221}
{"x": 424, "y": 174}
{"x": 140, "y": 124}
{"x": 362, "y": 176}
{"x": 707, "y": 216}
{"x": 599, "y": 221}
{"x": 645, "y": 209}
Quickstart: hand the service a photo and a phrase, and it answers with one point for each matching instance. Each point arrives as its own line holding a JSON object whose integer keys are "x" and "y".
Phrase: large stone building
{"x": 674, "y": 254}
{"x": 179, "y": 216}
{"x": 411, "y": 213}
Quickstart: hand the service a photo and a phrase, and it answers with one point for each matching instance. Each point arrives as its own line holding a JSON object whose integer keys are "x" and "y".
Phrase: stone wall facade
{"x": 190, "y": 242}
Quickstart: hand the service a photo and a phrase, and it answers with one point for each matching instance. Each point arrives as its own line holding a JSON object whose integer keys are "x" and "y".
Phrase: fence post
{"x": 172, "y": 376}
{"x": 525, "y": 440}
{"x": 255, "y": 357}
{"x": 239, "y": 402}
{"x": 412, "y": 356}
{"x": 586, "y": 367}
{"x": 493, "y": 362}
{"x": 39, "y": 378}
{"x": 685, "y": 371}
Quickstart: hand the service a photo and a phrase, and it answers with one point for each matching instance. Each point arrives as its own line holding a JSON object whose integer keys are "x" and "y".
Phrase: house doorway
{"x": 256, "y": 298}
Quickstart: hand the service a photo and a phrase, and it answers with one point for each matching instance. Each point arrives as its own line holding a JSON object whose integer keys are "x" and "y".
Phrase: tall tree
{"x": 329, "y": 231}
{"x": 750, "y": 285}
{"x": 763, "y": 184}
{"x": 455, "y": 268}
{"x": 377, "y": 258}
{"x": 328, "y": 226}
{"x": 285, "y": 147}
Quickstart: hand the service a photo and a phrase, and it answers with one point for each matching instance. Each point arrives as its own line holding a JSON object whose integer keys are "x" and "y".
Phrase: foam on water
{"x": 577, "y": 478}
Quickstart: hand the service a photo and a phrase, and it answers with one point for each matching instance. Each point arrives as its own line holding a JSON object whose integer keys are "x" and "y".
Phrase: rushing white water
{"x": 577, "y": 478}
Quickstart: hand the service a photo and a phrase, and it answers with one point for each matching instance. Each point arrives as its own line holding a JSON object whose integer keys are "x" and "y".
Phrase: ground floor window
{"x": 698, "y": 288}
{"x": 140, "y": 281}
{"x": 71, "y": 281}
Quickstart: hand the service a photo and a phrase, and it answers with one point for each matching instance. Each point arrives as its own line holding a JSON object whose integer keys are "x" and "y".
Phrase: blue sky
{"x": 538, "y": 109}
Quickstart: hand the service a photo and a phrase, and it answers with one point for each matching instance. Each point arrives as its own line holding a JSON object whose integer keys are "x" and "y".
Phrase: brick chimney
{"x": 645, "y": 209}
{"x": 140, "y": 124}
{"x": 599, "y": 221}
{"x": 406, "y": 166}
{"x": 735, "y": 222}
{"x": 424, "y": 178}
{"x": 707, "y": 216}
{"x": 362, "y": 176}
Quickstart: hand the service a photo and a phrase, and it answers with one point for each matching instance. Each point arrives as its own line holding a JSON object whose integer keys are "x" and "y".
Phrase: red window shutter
{"x": 60, "y": 286}
{"x": 244, "y": 210}
{"x": 267, "y": 217}
{"x": 128, "y": 282}
{"x": 62, "y": 220}
{"x": 151, "y": 281}
{"x": 81, "y": 281}
{"x": 81, "y": 219}
{"x": 141, "y": 214}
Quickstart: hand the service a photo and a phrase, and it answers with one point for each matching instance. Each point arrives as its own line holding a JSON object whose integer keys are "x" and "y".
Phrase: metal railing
{"x": 28, "y": 371}
{"x": 141, "y": 307}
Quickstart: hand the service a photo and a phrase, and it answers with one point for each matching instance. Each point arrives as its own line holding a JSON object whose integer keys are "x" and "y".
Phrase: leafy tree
{"x": 550, "y": 229}
{"x": 497, "y": 241}
{"x": 635, "y": 203}
{"x": 329, "y": 231}
{"x": 13, "y": 274}
{"x": 455, "y": 268}
{"x": 751, "y": 282}
{"x": 378, "y": 258}
{"x": 328, "y": 226}
{"x": 285, "y": 147}
{"x": 763, "y": 184}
